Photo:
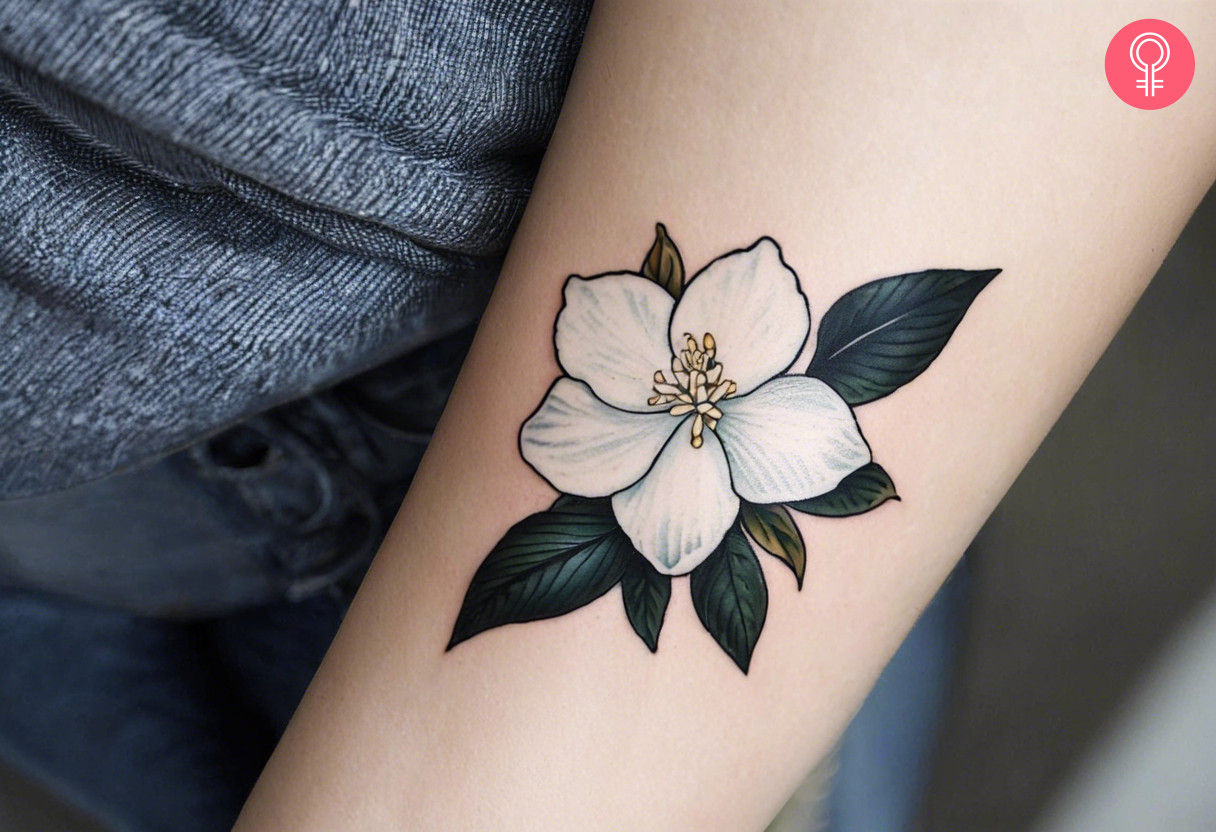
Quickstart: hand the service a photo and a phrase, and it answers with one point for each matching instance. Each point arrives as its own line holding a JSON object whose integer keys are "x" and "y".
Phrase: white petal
{"x": 750, "y": 302}
{"x": 791, "y": 439}
{"x": 582, "y": 446}
{"x": 612, "y": 334}
{"x": 681, "y": 510}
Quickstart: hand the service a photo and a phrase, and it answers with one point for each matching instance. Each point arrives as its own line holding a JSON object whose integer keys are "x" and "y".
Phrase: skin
{"x": 869, "y": 140}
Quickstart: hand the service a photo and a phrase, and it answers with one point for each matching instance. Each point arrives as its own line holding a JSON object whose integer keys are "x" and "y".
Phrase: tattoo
{"x": 678, "y": 436}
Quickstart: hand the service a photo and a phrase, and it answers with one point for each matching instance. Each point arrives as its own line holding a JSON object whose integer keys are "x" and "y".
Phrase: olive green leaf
{"x": 730, "y": 596}
{"x": 663, "y": 264}
{"x": 646, "y": 592}
{"x": 866, "y": 488}
{"x": 773, "y": 529}
{"x": 547, "y": 564}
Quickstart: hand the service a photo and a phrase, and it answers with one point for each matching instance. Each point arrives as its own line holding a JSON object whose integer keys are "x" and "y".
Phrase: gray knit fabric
{"x": 211, "y": 207}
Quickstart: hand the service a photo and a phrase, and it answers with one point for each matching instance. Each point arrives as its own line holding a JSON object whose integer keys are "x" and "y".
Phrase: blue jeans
{"x": 151, "y": 724}
{"x": 158, "y": 626}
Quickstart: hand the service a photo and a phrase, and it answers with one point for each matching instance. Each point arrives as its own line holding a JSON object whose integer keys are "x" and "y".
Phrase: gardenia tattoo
{"x": 677, "y": 432}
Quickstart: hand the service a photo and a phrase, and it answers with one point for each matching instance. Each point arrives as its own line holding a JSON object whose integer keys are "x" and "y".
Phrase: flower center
{"x": 697, "y": 386}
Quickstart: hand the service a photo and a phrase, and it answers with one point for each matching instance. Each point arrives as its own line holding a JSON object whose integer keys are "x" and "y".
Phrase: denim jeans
{"x": 158, "y": 627}
{"x": 148, "y": 724}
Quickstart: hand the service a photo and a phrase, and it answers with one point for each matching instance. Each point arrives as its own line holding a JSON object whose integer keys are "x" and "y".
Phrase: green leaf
{"x": 866, "y": 488}
{"x": 773, "y": 529}
{"x": 646, "y": 592}
{"x": 730, "y": 596}
{"x": 548, "y": 564}
{"x": 881, "y": 335}
{"x": 663, "y": 263}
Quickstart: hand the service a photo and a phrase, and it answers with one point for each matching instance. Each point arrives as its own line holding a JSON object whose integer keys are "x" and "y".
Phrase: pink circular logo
{"x": 1150, "y": 64}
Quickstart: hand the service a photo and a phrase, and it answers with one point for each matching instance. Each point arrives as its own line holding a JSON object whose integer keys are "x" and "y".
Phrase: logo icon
{"x": 1150, "y": 64}
{"x": 1150, "y": 83}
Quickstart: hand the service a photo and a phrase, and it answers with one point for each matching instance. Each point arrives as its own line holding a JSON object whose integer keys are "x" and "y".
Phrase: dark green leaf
{"x": 646, "y": 592}
{"x": 663, "y": 263}
{"x": 866, "y": 488}
{"x": 774, "y": 531}
{"x": 546, "y": 565}
{"x": 882, "y": 335}
{"x": 730, "y": 596}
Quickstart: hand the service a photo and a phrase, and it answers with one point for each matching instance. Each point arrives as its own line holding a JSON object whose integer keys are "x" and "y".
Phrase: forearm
{"x": 868, "y": 142}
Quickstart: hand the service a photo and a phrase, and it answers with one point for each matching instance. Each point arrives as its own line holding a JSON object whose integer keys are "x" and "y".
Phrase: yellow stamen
{"x": 698, "y": 386}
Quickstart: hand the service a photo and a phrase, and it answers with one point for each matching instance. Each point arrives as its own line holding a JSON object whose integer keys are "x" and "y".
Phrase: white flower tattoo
{"x": 635, "y": 358}
{"x": 682, "y": 443}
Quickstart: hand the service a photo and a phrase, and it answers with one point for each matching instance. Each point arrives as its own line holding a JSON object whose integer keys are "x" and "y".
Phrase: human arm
{"x": 869, "y": 141}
